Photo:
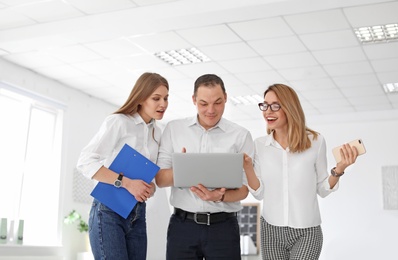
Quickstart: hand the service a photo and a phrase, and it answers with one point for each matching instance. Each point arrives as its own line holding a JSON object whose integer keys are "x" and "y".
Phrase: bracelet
{"x": 334, "y": 173}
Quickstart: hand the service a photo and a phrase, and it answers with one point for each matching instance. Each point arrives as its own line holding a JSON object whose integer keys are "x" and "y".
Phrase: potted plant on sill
{"x": 73, "y": 217}
{"x": 82, "y": 226}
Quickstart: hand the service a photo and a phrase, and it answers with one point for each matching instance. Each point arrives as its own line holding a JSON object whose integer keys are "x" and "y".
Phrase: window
{"x": 30, "y": 153}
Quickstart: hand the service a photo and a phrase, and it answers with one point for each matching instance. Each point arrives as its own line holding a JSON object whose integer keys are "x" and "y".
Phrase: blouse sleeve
{"x": 323, "y": 187}
{"x": 100, "y": 147}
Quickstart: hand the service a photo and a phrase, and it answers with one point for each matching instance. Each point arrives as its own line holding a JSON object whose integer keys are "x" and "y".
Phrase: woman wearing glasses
{"x": 290, "y": 170}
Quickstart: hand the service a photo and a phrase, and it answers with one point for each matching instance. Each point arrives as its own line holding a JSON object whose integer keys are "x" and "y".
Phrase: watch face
{"x": 117, "y": 183}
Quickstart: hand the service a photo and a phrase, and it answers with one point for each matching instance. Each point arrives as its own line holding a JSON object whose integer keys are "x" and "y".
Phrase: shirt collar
{"x": 272, "y": 142}
{"x": 138, "y": 120}
{"x": 221, "y": 124}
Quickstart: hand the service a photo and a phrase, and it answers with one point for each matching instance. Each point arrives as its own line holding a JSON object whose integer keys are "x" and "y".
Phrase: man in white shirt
{"x": 204, "y": 223}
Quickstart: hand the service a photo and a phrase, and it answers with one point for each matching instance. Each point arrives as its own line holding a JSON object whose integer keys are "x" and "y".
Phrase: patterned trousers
{"x": 286, "y": 243}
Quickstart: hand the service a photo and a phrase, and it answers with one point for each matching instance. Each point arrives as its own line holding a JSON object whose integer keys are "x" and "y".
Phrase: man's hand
{"x": 208, "y": 195}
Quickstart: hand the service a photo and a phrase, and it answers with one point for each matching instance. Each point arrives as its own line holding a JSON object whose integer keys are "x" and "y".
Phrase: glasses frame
{"x": 262, "y": 105}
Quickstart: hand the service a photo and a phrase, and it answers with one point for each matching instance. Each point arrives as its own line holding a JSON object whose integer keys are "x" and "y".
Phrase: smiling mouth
{"x": 271, "y": 119}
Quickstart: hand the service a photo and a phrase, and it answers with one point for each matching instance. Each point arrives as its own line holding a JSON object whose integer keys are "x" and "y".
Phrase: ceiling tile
{"x": 267, "y": 77}
{"x": 293, "y": 60}
{"x": 312, "y": 84}
{"x": 356, "y": 80}
{"x": 114, "y": 48}
{"x": 47, "y": 11}
{"x": 33, "y": 59}
{"x": 344, "y": 69}
{"x": 73, "y": 53}
{"x": 301, "y": 73}
{"x": 329, "y": 40}
{"x": 228, "y": 51}
{"x": 123, "y": 79}
{"x": 340, "y": 55}
{"x": 61, "y": 72}
{"x": 369, "y": 100}
{"x": 99, "y": 6}
{"x": 330, "y": 103}
{"x": 376, "y": 14}
{"x": 385, "y": 65}
{"x": 336, "y": 110}
{"x": 10, "y": 19}
{"x": 277, "y": 46}
{"x": 245, "y": 65}
{"x": 366, "y": 90}
{"x": 261, "y": 29}
{"x": 198, "y": 69}
{"x": 315, "y": 22}
{"x": 210, "y": 35}
{"x": 388, "y": 77}
{"x": 86, "y": 82}
{"x": 381, "y": 50}
{"x": 99, "y": 67}
{"x": 141, "y": 62}
{"x": 160, "y": 42}
{"x": 321, "y": 94}
{"x": 373, "y": 107}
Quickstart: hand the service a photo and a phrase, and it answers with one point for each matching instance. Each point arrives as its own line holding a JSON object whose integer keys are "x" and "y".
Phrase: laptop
{"x": 213, "y": 170}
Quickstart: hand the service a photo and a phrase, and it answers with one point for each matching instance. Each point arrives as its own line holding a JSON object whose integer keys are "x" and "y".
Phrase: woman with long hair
{"x": 290, "y": 171}
{"x": 134, "y": 123}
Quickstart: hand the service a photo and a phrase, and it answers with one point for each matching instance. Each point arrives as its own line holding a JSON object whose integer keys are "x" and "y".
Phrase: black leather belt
{"x": 204, "y": 218}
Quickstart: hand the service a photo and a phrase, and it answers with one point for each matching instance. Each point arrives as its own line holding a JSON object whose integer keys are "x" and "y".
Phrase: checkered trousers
{"x": 286, "y": 243}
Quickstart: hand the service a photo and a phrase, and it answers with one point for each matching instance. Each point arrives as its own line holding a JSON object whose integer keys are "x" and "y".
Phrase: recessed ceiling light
{"x": 377, "y": 33}
{"x": 390, "y": 87}
{"x": 182, "y": 56}
{"x": 246, "y": 100}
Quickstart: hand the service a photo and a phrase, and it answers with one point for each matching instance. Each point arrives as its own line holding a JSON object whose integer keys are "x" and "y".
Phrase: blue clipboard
{"x": 134, "y": 166}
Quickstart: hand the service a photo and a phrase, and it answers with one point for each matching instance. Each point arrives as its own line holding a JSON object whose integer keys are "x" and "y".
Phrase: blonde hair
{"x": 298, "y": 132}
{"x": 145, "y": 85}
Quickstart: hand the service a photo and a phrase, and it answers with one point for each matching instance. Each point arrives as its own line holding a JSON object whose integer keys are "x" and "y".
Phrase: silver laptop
{"x": 213, "y": 170}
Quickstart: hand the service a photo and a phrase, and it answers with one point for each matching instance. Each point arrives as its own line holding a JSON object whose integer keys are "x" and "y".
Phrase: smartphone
{"x": 358, "y": 143}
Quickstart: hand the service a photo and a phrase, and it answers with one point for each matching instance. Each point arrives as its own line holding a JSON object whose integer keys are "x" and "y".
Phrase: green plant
{"x": 73, "y": 217}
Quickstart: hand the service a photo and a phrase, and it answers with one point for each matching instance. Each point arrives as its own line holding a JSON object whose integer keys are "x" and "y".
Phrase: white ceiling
{"x": 101, "y": 47}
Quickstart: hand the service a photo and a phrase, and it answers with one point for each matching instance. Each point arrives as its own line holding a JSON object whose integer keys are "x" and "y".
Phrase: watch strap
{"x": 335, "y": 174}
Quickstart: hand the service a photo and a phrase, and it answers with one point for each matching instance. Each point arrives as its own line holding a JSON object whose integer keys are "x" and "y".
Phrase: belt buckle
{"x": 195, "y": 218}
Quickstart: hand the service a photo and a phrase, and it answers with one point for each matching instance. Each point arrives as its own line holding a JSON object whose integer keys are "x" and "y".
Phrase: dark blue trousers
{"x": 189, "y": 240}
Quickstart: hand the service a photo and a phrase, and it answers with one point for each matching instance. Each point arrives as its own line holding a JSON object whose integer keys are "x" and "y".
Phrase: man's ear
{"x": 225, "y": 97}
{"x": 194, "y": 99}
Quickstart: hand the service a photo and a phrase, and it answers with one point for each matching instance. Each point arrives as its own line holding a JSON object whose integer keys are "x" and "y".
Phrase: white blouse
{"x": 290, "y": 182}
{"x": 115, "y": 131}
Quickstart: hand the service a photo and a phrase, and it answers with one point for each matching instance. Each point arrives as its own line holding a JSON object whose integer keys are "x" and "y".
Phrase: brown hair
{"x": 145, "y": 85}
{"x": 297, "y": 130}
{"x": 208, "y": 80}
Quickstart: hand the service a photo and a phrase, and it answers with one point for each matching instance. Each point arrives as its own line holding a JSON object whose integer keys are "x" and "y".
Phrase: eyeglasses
{"x": 264, "y": 107}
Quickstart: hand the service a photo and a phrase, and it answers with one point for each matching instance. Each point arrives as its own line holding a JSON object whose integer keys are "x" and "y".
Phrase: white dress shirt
{"x": 226, "y": 137}
{"x": 115, "y": 131}
{"x": 290, "y": 182}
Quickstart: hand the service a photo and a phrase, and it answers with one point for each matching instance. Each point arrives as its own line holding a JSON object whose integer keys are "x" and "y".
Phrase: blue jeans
{"x": 189, "y": 240}
{"x": 114, "y": 238}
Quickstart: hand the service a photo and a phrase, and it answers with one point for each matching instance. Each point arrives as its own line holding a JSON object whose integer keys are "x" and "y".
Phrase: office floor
{"x": 251, "y": 257}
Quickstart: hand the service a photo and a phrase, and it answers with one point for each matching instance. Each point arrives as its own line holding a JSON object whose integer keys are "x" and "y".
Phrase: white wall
{"x": 354, "y": 223}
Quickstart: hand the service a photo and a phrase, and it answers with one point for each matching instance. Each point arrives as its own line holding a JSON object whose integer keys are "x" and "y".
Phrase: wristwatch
{"x": 118, "y": 181}
{"x": 335, "y": 174}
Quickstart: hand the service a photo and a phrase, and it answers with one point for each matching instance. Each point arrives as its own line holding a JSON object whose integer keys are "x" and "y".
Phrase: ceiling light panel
{"x": 377, "y": 33}
{"x": 391, "y": 87}
{"x": 182, "y": 56}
